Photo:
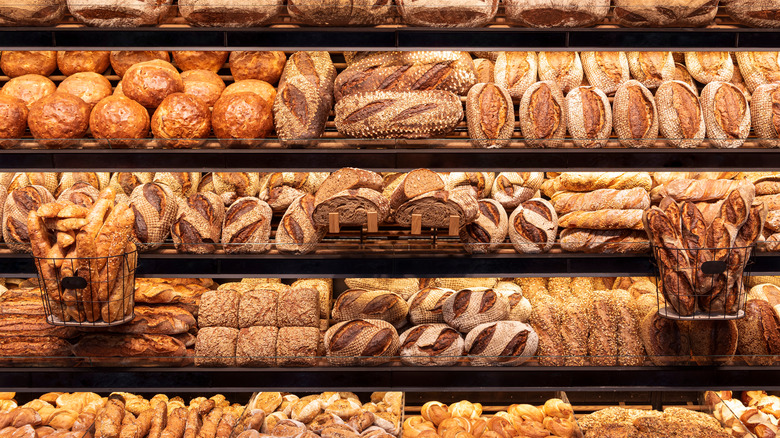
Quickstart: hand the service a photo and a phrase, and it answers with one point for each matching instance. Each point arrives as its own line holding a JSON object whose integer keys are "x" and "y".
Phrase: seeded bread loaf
{"x": 361, "y": 342}
{"x": 297, "y": 346}
{"x": 297, "y": 233}
{"x": 574, "y": 331}
{"x": 256, "y": 346}
{"x": 759, "y": 333}
{"x": 556, "y": 13}
{"x": 426, "y": 305}
{"x": 198, "y": 226}
{"x": 589, "y": 117}
{"x": 437, "y": 207}
{"x": 155, "y": 209}
{"x": 546, "y": 322}
{"x": 438, "y": 13}
{"x": 543, "y": 115}
{"x": 651, "y": 69}
{"x": 533, "y": 226}
{"x": 468, "y": 308}
{"x": 634, "y": 115}
{"x": 488, "y": 231}
{"x": 258, "y": 307}
{"x": 606, "y": 70}
{"x": 183, "y": 184}
{"x": 681, "y": 74}
{"x": 216, "y": 347}
{"x": 680, "y": 115}
{"x": 766, "y": 124}
{"x": 516, "y": 71}
{"x": 502, "y": 343}
{"x": 490, "y": 115}
{"x": 631, "y": 352}
{"x": 305, "y": 96}
{"x": 371, "y": 304}
{"x": 431, "y": 344}
{"x": 247, "y": 227}
{"x": 726, "y": 114}
{"x": 298, "y": 307}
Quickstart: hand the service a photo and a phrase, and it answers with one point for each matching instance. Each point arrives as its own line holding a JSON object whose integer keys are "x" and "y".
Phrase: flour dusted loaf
{"x": 468, "y": 308}
{"x": 604, "y": 241}
{"x": 680, "y": 114}
{"x": 324, "y": 286}
{"x": 490, "y": 115}
{"x": 426, "y": 306}
{"x": 233, "y": 185}
{"x": 758, "y": 68}
{"x": 405, "y": 287}
{"x": 32, "y": 13}
{"x": 305, "y": 96}
{"x": 563, "y": 68}
{"x": 297, "y": 233}
{"x": 221, "y": 13}
{"x": 634, "y": 115}
{"x": 726, "y": 114}
{"x": 352, "y": 206}
{"x": 675, "y": 13}
{"x": 766, "y": 124}
{"x": 342, "y": 12}
{"x": 183, "y": 184}
{"x": 258, "y": 307}
{"x": 155, "y": 208}
{"x": 118, "y": 13}
{"x": 533, "y": 226}
{"x": 512, "y": 188}
{"x": 589, "y": 117}
{"x": 606, "y": 70}
{"x": 431, "y": 344}
{"x": 436, "y": 208}
{"x": 256, "y": 346}
{"x": 247, "y": 226}
{"x": 543, "y": 115}
{"x": 601, "y": 199}
{"x": 707, "y": 67}
{"x": 516, "y": 71}
{"x": 391, "y": 114}
{"x": 371, "y": 304}
{"x": 752, "y": 13}
{"x": 437, "y": 13}
{"x": 488, "y": 231}
{"x": 651, "y": 69}
{"x": 199, "y": 224}
{"x": 361, "y": 342}
{"x": 18, "y": 204}
{"x": 502, "y": 343}
{"x": 556, "y": 13}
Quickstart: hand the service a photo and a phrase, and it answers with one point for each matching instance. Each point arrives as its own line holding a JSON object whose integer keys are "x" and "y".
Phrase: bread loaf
{"x": 405, "y": 287}
{"x": 574, "y": 331}
{"x": 197, "y": 228}
{"x": 516, "y": 71}
{"x": 707, "y": 67}
{"x": 426, "y": 305}
{"x": 488, "y": 231}
{"x": 342, "y": 13}
{"x": 651, "y": 69}
{"x": 298, "y": 307}
{"x": 503, "y": 343}
{"x": 297, "y": 233}
{"x": 589, "y": 117}
{"x": 681, "y": 74}
{"x": 563, "y": 68}
{"x": 675, "y": 13}
{"x": 603, "y": 219}
{"x": 712, "y": 341}
{"x": 603, "y": 336}
{"x": 116, "y": 13}
{"x": 766, "y": 124}
{"x": 164, "y": 320}
{"x": 297, "y": 346}
{"x": 606, "y": 70}
{"x": 437, "y": 207}
{"x": 391, "y": 114}
{"x": 121, "y": 121}
{"x": 490, "y": 115}
{"x": 98, "y": 180}
{"x": 631, "y": 352}
{"x": 546, "y": 321}
{"x": 680, "y": 114}
{"x": 264, "y": 66}
{"x": 431, "y": 344}
{"x": 183, "y": 184}
{"x": 33, "y": 13}
{"x": 216, "y": 347}
{"x": 556, "y": 13}
{"x": 543, "y": 115}
{"x": 121, "y": 61}
{"x": 28, "y": 351}
{"x": 221, "y": 13}
{"x": 247, "y": 227}
{"x": 604, "y": 241}
{"x": 155, "y": 209}
{"x": 219, "y": 308}
{"x": 635, "y": 116}
{"x": 698, "y": 190}
{"x": 128, "y": 350}
{"x": 211, "y": 61}
{"x": 752, "y": 13}
{"x": 759, "y": 338}
{"x": 664, "y": 342}
{"x": 13, "y": 121}
{"x": 181, "y": 121}
{"x": 533, "y": 226}
{"x": 325, "y": 288}
{"x": 19, "y": 62}
{"x": 758, "y": 68}
{"x": 512, "y": 188}
{"x": 206, "y": 85}
{"x": 485, "y": 70}
{"x": 81, "y": 193}
{"x": 150, "y": 82}
{"x": 413, "y": 184}
{"x": 601, "y": 199}
{"x": 468, "y": 308}
{"x": 22, "y": 324}
{"x": 362, "y": 341}
{"x": 478, "y": 184}
{"x": 258, "y": 307}
{"x": 19, "y": 203}
{"x": 256, "y": 346}
{"x": 241, "y": 118}
{"x": 232, "y": 185}
{"x": 458, "y": 13}
{"x": 352, "y": 207}
{"x": 305, "y": 96}
{"x": 29, "y": 88}
{"x": 371, "y": 304}
{"x": 58, "y": 120}
{"x": 726, "y": 114}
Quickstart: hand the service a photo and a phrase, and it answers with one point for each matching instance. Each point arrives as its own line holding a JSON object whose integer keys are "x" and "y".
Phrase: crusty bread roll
{"x": 264, "y": 66}
{"x": 121, "y": 61}
{"x": 563, "y": 68}
{"x": 674, "y": 13}
{"x": 488, "y": 231}
{"x": 13, "y": 120}
{"x": 361, "y": 341}
{"x": 247, "y": 226}
{"x": 516, "y": 71}
{"x": 726, "y": 114}
{"x": 58, "y": 119}
{"x": 543, "y": 115}
{"x": 150, "y": 82}
{"x": 155, "y": 209}
{"x": 203, "y": 84}
{"x": 222, "y": 13}
{"x": 241, "y": 118}
{"x": 88, "y": 86}
{"x": 766, "y": 125}
{"x": 588, "y": 181}
{"x": 121, "y": 121}
{"x": 118, "y": 13}
{"x": 199, "y": 60}
{"x": 468, "y": 308}
{"x": 29, "y": 88}
{"x": 19, "y": 63}
{"x": 606, "y": 70}
{"x": 651, "y": 69}
{"x": 634, "y": 115}
{"x": 77, "y": 61}
{"x": 197, "y": 228}
{"x": 34, "y": 13}
{"x": 588, "y": 117}
{"x": 533, "y": 226}
{"x": 556, "y": 13}
{"x": 431, "y": 344}
{"x": 181, "y": 121}
{"x": 261, "y": 88}
{"x": 371, "y": 304}
{"x": 502, "y": 343}
{"x": 459, "y": 13}
{"x": 427, "y": 304}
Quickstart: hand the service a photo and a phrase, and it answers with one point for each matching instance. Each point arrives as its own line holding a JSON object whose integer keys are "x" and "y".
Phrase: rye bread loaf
{"x": 341, "y": 13}
{"x": 405, "y": 287}
{"x": 601, "y": 199}
{"x": 361, "y": 342}
{"x": 502, "y": 343}
{"x": 219, "y": 308}
{"x": 468, "y": 308}
{"x": 589, "y": 117}
{"x": 680, "y": 115}
{"x": 533, "y": 226}
{"x": 519, "y": 307}
{"x": 258, "y": 307}
{"x": 407, "y": 71}
{"x": 352, "y": 207}
{"x": 574, "y": 330}
{"x": 546, "y": 321}
{"x": 413, "y": 184}
{"x": 155, "y": 208}
{"x": 348, "y": 178}
{"x": 18, "y": 204}
{"x": 759, "y": 333}
{"x": 631, "y": 352}
{"x": 32, "y": 13}
{"x": 426, "y": 306}
{"x": 707, "y": 67}
{"x": 766, "y": 123}
{"x": 437, "y": 207}
{"x": 297, "y": 233}
{"x": 726, "y": 114}
{"x": 118, "y": 13}
{"x": 183, "y": 184}
{"x": 197, "y": 229}
{"x": 325, "y": 288}
{"x": 603, "y": 336}
{"x": 297, "y": 346}
{"x": 516, "y": 71}
{"x": 512, "y": 188}
{"x": 563, "y": 68}
{"x": 651, "y": 69}
{"x": 98, "y": 180}
{"x": 216, "y": 347}
{"x": 256, "y": 346}
{"x": 3, "y": 196}
{"x": 712, "y": 342}
{"x": 681, "y": 74}
{"x": 488, "y": 231}
{"x": 280, "y": 189}
{"x": 371, "y": 304}
{"x": 674, "y": 13}
{"x": 485, "y": 69}
{"x": 758, "y": 68}
{"x": 543, "y": 115}
{"x": 634, "y": 115}
{"x": 247, "y": 227}
{"x": 298, "y": 307}
{"x": 222, "y": 13}
{"x": 490, "y": 115}
{"x": 305, "y": 96}
{"x": 606, "y": 70}
{"x": 556, "y": 13}
{"x": 431, "y": 345}
{"x": 398, "y": 114}
{"x": 439, "y": 13}
{"x": 604, "y": 241}
{"x": 752, "y": 13}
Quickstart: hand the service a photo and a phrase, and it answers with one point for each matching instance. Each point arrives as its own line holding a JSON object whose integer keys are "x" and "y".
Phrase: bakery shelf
{"x": 403, "y": 156}
{"x": 472, "y": 379}
{"x": 305, "y": 38}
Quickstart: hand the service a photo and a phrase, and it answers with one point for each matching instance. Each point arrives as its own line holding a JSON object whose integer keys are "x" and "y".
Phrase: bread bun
{"x": 120, "y": 13}
{"x": 123, "y": 60}
{"x": 181, "y": 117}
{"x": 120, "y": 120}
{"x": 200, "y": 60}
{"x": 13, "y": 120}
{"x": 20, "y": 63}
{"x": 148, "y": 83}
{"x": 29, "y": 88}
{"x": 34, "y": 13}
{"x": 261, "y": 88}
{"x": 266, "y": 66}
{"x": 240, "y": 117}
{"x": 57, "y": 118}
{"x": 88, "y": 86}
{"x": 203, "y": 84}
{"x": 79, "y": 61}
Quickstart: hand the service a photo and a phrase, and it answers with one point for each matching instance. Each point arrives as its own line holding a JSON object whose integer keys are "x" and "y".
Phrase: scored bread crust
{"x": 470, "y": 307}
{"x": 427, "y": 304}
{"x": 226, "y": 13}
{"x": 681, "y": 74}
{"x": 604, "y": 241}
{"x": 726, "y": 114}
{"x": 680, "y": 114}
{"x": 515, "y": 72}
{"x": 565, "y": 68}
{"x": 588, "y": 181}
{"x": 431, "y": 344}
{"x": 766, "y": 124}
{"x": 556, "y": 13}
{"x": 154, "y": 208}
{"x": 305, "y": 96}
{"x": 603, "y": 219}
{"x": 352, "y": 207}
{"x": 671, "y": 13}
{"x": 490, "y": 115}
{"x": 758, "y": 68}
{"x": 752, "y": 13}
{"x": 633, "y": 104}
{"x": 707, "y": 67}
{"x": 437, "y": 207}
{"x": 198, "y": 226}
{"x": 488, "y": 231}
{"x": 589, "y": 117}
{"x": 543, "y": 115}
{"x": 651, "y": 69}
{"x": 512, "y": 188}
{"x": 361, "y": 342}
{"x": 371, "y": 304}
{"x": 533, "y": 226}
{"x": 297, "y": 233}
{"x": 247, "y": 226}
{"x": 458, "y": 13}
{"x": 606, "y": 70}
{"x": 413, "y": 184}
{"x": 601, "y": 199}
{"x": 502, "y": 343}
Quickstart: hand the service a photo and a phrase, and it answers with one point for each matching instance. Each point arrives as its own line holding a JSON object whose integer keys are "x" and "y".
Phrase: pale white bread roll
{"x": 468, "y": 308}
{"x": 247, "y": 226}
{"x": 604, "y": 241}
{"x": 512, "y": 188}
{"x": 516, "y": 71}
{"x": 588, "y": 117}
{"x": 601, "y": 199}
{"x": 490, "y": 115}
{"x": 542, "y": 115}
{"x": 361, "y": 342}
{"x": 726, "y": 114}
{"x": 325, "y": 288}
{"x": 431, "y": 344}
{"x": 707, "y": 67}
{"x": 297, "y": 233}
{"x": 426, "y": 306}
{"x": 606, "y": 70}
{"x": 603, "y": 219}
{"x": 18, "y": 205}
{"x": 371, "y": 304}
{"x": 634, "y": 115}
{"x": 437, "y": 207}
{"x": 155, "y": 208}
{"x": 651, "y": 69}
{"x": 556, "y": 13}
{"x": 464, "y": 283}
{"x": 502, "y": 343}
{"x": 758, "y": 68}
{"x": 564, "y": 68}
{"x": 680, "y": 114}
{"x": 352, "y": 207}
{"x": 533, "y": 226}
{"x": 766, "y": 124}
{"x": 126, "y": 182}
{"x": 405, "y": 287}
{"x": 488, "y": 231}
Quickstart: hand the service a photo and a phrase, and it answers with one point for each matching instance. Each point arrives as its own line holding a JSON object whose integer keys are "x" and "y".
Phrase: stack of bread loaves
{"x": 54, "y": 414}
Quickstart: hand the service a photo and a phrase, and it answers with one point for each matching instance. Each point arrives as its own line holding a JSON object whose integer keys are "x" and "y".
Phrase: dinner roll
{"x": 29, "y": 88}
{"x": 240, "y": 117}
{"x": 266, "y": 66}
{"x": 123, "y": 60}
{"x": 90, "y": 87}
{"x": 57, "y": 118}
{"x": 203, "y": 84}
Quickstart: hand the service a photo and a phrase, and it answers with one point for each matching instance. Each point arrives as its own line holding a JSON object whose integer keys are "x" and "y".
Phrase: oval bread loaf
{"x": 588, "y": 181}
{"x": 18, "y": 205}
{"x": 563, "y": 68}
{"x": 681, "y": 74}
{"x": 437, "y": 207}
{"x": 672, "y": 13}
{"x": 766, "y": 122}
{"x": 431, "y": 344}
{"x": 556, "y": 13}
{"x": 297, "y": 233}
{"x": 468, "y": 308}
{"x": 305, "y": 96}
{"x": 752, "y": 13}
{"x": 247, "y": 227}
{"x": 680, "y": 115}
{"x": 543, "y": 115}
{"x": 222, "y": 13}
{"x": 485, "y": 69}
{"x": 546, "y": 321}
{"x": 405, "y": 287}
{"x": 118, "y": 13}
{"x": 589, "y": 117}
{"x": 371, "y": 304}
{"x": 155, "y": 209}
{"x": 758, "y": 68}
{"x": 342, "y": 13}
{"x": 426, "y": 306}
{"x": 567, "y": 202}
{"x": 199, "y": 224}
{"x": 34, "y": 13}
{"x": 126, "y": 182}
{"x": 490, "y": 115}
{"x": 533, "y": 226}
{"x": 519, "y": 307}
{"x": 634, "y": 115}
{"x": 512, "y": 188}
{"x": 604, "y": 241}
{"x": 459, "y": 13}
{"x": 726, "y": 114}
{"x": 488, "y": 231}
{"x": 361, "y": 342}
{"x": 603, "y": 219}
{"x": 606, "y": 70}
{"x": 183, "y": 184}
{"x": 651, "y": 69}
{"x": 516, "y": 71}
{"x": 707, "y": 67}
{"x": 233, "y": 185}
{"x": 503, "y": 343}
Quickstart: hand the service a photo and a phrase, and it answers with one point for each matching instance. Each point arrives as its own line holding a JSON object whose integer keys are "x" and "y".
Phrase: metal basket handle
{"x": 74, "y": 283}
{"x": 714, "y": 267}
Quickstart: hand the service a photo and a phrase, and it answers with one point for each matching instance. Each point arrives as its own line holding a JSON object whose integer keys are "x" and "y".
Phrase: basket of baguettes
{"x": 700, "y": 262}
{"x": 85, "y": 260}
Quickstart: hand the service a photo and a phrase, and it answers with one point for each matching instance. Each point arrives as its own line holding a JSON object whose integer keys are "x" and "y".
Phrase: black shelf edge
{"x": 472, "y": 379}
{"x": 399, "y": 265}
{"x": 405, "y": 38}
{"x": 449, "y": 159}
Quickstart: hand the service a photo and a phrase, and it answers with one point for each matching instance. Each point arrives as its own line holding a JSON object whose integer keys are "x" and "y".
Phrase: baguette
{"x": 635, "y": 117}
{"x": 543, "y": 115}
{"x": 603, "y": 219}
{"x": 601, "y": 199}
{"x": 588, "y": 181}
{"x": 726, "y": 114}
{"x": 305, "y": 96}
{"x": 604, "y": 241}
{"x": 490, "y": 115}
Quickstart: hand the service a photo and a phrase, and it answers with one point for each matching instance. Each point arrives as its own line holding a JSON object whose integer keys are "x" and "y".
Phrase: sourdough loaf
{"x": 258, "y": 307}
{"x": 13, "y": 121}
{"x": 118, "y": 13}
{"x": 198, "y": 226}
{"x": 468, "y": 308}
{"x": 706, "y": 67}
{"x": 651, "y": 69}
{"x": 556, "y": 13}
{"x": 325, "y": 288}
{"x": 371, "y": 304}
{"x": 488, "y": 231}
{"x": 543, "y": 115}
{"x": 752, "y": 13}
{"x": 680, "y": 114}
{"x": 297, "y": 346}
{"x": 606, "y": 70}
{"x": 437, "y": 207}
{"x": 759, "y": 333}
{"x": 726, "y": 114}
{"x": 183, "y": 184}
{"x": 247, "y": 227}
{"x": 675, "y": 13}
{"x": 126, "y": 182}
{"x": 129, "y": 350}
{"x": 485, "y": 69}
{"x": 564, "y": 68}
{"x": 298, "y": 307}
{"x": 342, "y": 12}
{"x": 32, "y": 13}
{"x": 352, "y": 207}
{"x": 589, "y": 117}
{"x": 431, "y": 344}
{"x": 305, "y": 96}
{"x": 233, "y": 185}
{"x": 405, "y": 287}
{"x": 663, "y": 340}
{"x": 221, "y": 13}
{"x": 426, "y": 305}
{"x": 516, "y": 71}
{"x": 504, "y": 343}
{"x": 712, "y": 341}
{"x": 490, "y": 115}
{"x": 361, "y": 342}
{"x": 297, "y": 233}
{"x": 478, "y": 184}
{"x": 588, "y": 181}
{"x": 414, "y": 184}
{"x": 533, "y": 226}
{"x": 438, "y": 13}
{"x": 758, "y": 68}
{"x": 18, "y": 204}
{"x": 681, "y": 74}
{"x": 766, "y": 124}
{"x": 512, "y": 188}
{"x": 240, "y": 119}
{"x": 155, "y": 208}
{"x": 634, "y": 114}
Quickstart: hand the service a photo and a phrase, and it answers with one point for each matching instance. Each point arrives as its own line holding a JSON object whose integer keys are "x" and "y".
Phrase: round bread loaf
{"x": 48, "y": 180}
{"x": 706, "y": 67}
{"x": 121, "y": 61}
{"x": 198, "y": 226}
{"x": 606, "y": 70}
{"x": 34, "y": 13}
{"x": 203, "y": 84}
{"x": 199, "y": 60}
{"x": 371, "y": 304}
{"x": 766, "y": 124}
{"x": 426, "y": 306}
{"x": 98, "y": 180}
{"x": 759, "y": 333}
{"x": 726, "y": 114}
{"x": 78, "y": 61}
{"x": 413, "y": 184}
{"x": 155, "y": 208}
{"x": 543, "y": 115}
{"x": 265, "y": 66}
{"x": 13, "y": 120}
{"x": 261, "y": 88}
{"x": 247, "y": 227}
{"x": 664, "y": 342}
{"x": 20, "y": 63}
{"x": 361, "y": 342}
{"x": 234, "y": 185}
{"x": 431, "y": 345}
{"x": 758, "y": 68}
{"x": 405, "y": 287}
{"x": 297, "y": 233}
{"x": 120, "y": 13}
{"x": 121, "y": 121}
{"x": 148, "y": 83}
{"x": 29, "y": 88}
{"x": 634, "y": 115}
{"x": 18, "y": 205}
{"x": 181, "y": 121}
{"x": 502, "y": 343}
{"x": 512, "y": 188}
{"x": 241, "y": 118}
{"x": 57, "y": 119}
{"x": 468, "y": 308}
{"x": 680, "y": 115}
{"x": 533, "y": 226}
{"x": 589, "y": 117}
{"x": 88, "y": 86}
{"x": 81, "y": 193}
{"x": 672, "y": 13}
{"x": 488, "y": 231}
{"x": 226, "y": 13}
{"x": 556, "y": 13}
{"x": 651, "y": 68}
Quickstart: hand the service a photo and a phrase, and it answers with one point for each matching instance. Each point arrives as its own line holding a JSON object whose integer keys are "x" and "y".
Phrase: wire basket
{"x": 88, "y": 292}
{"x": 701, "y": 284}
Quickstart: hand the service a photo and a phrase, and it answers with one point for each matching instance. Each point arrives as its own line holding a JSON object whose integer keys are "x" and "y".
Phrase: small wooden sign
{"x": 454, "y": 226}
{"x": 372, "y": 222}
{"x": 333, "y": 222}
{"x": 416, "y": 224}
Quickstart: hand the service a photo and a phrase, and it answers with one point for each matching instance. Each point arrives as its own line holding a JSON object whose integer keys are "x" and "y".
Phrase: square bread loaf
{"x": 257, "y": 308}
{"x": 219, "y": 308}
{"x": 216, "y": 347}
{"x": 256, "y": 346}
{"x": 299, "y": 307}
{"x": 297, "y": 346}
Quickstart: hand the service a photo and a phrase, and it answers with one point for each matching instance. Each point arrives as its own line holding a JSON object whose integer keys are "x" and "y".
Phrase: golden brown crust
{"x": 20, "y": 63}
{"x": 203, "y": 84}
{"x": 266, "y": 66}
{"x": 199, "y": 60}
{"x": 150, "y": 82}
{"x": 179, "y": 118}
{"x": 88, "y": 86}
{"x": 59, "y": 117}
{"x": 261, "y": 88}
{"x": 120, "y": 120}
{"x": 241, "y": 117}
{"x": 29, "y": 88}
{"x": 121, "y": 61}
{"x": 13, "y": 120}
{"x": 77, "y": 61}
